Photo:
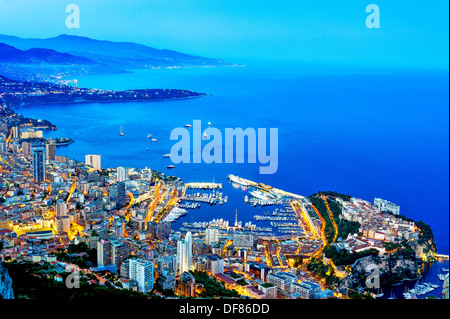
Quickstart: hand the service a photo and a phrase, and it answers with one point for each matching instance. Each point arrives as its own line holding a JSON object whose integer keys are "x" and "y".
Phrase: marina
{"x": 189, "y": 205}
{"x": 212, "y": 199}
{"x": 280, "y": 220}
{"x": 174, "y": 214}
{"x": 203, "y": 186}
{"x": 430, "y": 283}
{"x": 225, "y": 227}
{"x": 259, "y": 202}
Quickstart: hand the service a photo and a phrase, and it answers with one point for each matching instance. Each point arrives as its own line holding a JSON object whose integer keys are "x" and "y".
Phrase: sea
{"x": 363, "y": 132}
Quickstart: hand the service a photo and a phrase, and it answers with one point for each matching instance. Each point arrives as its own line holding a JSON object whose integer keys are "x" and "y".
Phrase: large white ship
{"x": 260, "y": 195}
{"x": 238, "y": 180}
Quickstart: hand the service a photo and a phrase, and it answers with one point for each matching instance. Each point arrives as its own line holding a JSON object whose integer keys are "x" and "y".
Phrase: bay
{"x": 365, "y": 133}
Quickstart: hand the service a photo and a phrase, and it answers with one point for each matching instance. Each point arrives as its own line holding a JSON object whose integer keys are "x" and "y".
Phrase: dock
{"x": 203, "y": 185}
{"x": 274, "y": 191}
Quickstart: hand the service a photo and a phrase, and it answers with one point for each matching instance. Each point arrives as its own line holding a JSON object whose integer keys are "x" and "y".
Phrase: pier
{"x": 212, "y": 199}
{"x": 203, "y": 185}
{"x": 441, "y": 256}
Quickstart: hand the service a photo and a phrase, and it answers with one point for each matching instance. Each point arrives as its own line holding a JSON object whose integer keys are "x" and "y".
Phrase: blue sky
{"x": 412, "y": 34}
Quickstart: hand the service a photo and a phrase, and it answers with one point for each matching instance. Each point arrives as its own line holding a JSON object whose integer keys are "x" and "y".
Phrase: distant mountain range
{"x": 71, "y": 55}
{"x": 10, "y": 54}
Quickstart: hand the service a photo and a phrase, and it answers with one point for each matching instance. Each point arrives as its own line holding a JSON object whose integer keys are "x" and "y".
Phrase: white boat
{"x": 380, "y": 293}
{"x": 171, "y": 166}
{"x": 188, "y": 125}
{"x": 406, "y": 294}
{"x": 434, "y": 286}
{"x": 237, "y": 180}
{"x": 205, "y": 136}
{"x": 166, "y": 155}
{"x": 259, "y": 195}
{"x": 121, "y": 131}
{"x": 147, "y": 148}
{"x": 154, "y": 140}
{"x": 174, "y": 214}
{"x": 209, "y": 123}
{"x": 149, "y": 135}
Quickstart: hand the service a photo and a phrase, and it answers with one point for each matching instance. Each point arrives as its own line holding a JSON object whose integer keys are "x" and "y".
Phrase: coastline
{"x": 105, "y": 102}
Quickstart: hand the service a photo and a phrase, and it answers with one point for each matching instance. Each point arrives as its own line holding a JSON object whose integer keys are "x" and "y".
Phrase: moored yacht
{"x": 237, "y": 180}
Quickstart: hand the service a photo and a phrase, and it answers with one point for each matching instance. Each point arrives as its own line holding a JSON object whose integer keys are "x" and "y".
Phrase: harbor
{"x": 429, "y": 285}
{"x": 225, "y": 228}
{"x": 174, "y": 214}
{"x": 203, "y": 186}
{"x": 207, "y": 198}
{"x": 267, "y": 210}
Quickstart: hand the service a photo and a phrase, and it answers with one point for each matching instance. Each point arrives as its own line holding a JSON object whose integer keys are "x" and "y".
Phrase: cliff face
{"x": 6, "y": 291}
{"x": 393, "y": 268}
{"x": 424, "y": 249}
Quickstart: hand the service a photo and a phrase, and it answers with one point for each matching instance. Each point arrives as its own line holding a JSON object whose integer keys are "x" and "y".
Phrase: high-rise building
{"x": 51, "y": 150}
{"x": 16, "y": 132}
{"x": 26, "y": 148}
{"x": 214, "y": 264}
{"x": 61, "y": 208}
{"x": 3, "y": 147}
{"x": 104, "y": 253}
{"x": 168, "y": 263}
{"x": 63, "y": 223}
{"x": 184, "y": 254}
{"x": 166, "y": 279}
{"x": 94, "y": 161}
{"x": 163, "y": 230}
{"x": 122, "y": 174}
{"x": 38, "y": 164}
{"x": 185, "y": 285}
{"x": 118, "y": 229}
{"x": 198, "y": 246}
{"x": 119, "y": 251}
{"x": 117, "y": 194}
{"x": 15, "y": 146}
{"x": 141, "y": 271}
{"x": 125, "y": 269}
{"x": 211, "y": 235}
